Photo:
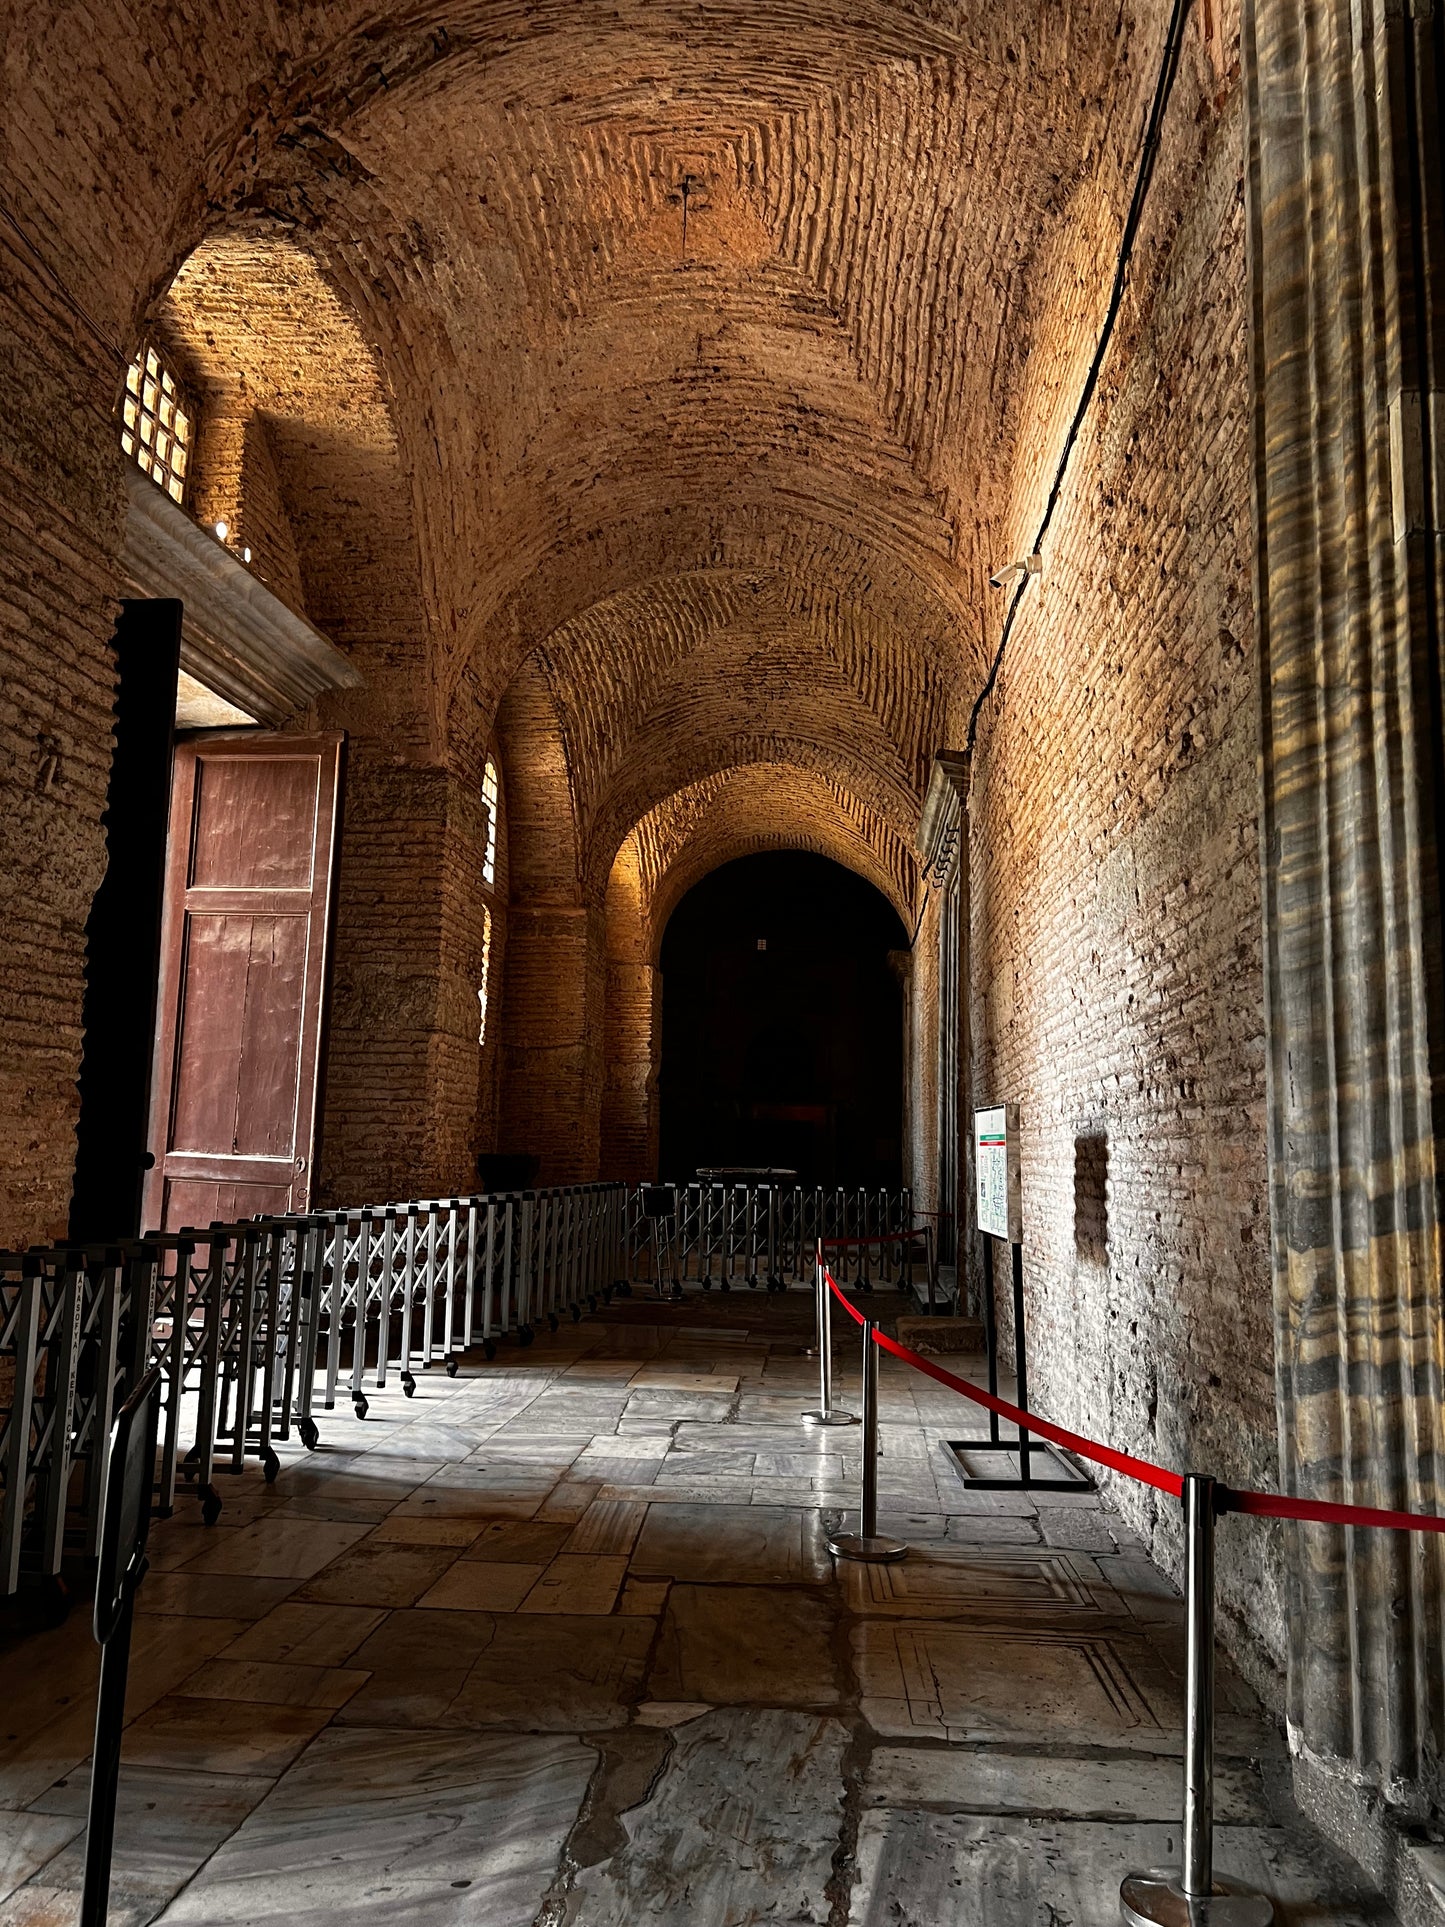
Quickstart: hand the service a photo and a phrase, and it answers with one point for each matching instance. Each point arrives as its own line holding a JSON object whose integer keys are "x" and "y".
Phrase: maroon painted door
{"x": 243, "y": 977}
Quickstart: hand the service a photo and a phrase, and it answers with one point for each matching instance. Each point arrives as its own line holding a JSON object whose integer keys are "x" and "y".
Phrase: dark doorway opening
{"x": 782, "y": 1027}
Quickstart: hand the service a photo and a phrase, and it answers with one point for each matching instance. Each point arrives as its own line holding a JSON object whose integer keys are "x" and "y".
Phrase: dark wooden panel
{"x": 245, "y": 944}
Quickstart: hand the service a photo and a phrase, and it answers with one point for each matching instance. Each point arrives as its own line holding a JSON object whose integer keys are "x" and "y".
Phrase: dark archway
{"x": 782, "y": 1034}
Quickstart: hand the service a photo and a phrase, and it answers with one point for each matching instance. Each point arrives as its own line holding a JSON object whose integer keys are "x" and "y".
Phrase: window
{"x": 486, "y": 973}
{"x": 155, "y": 428}
{"x": 489, "y": 797}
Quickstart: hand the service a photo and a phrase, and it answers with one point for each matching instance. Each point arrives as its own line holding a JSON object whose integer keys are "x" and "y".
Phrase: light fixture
{"x": 1015, "y": 571}
{"x": 245, "y": 555}
{"x": 221, "y": 531}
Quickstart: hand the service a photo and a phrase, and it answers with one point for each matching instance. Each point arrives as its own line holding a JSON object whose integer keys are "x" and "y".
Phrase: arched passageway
{"x": 782, "y": 1024}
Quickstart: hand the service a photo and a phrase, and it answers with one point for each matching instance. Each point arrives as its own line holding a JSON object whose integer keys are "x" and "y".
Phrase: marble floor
{"x": 559, "y": 1642}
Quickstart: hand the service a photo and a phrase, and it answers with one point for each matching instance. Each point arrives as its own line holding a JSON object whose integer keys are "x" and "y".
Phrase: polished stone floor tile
{"x": 577, "y": 1583}
{"x": 608, "y": 1526}
{"x": 965, "y": 1683}
{"x": 547, "y": 1672}
{"x": 373, "y": 1574}
{"x": 746, "y": 1645}
{"x": 481, "y": 1585}
{"x": 305, "y": 1634}
{"x": 221, "y": 1736}
{"x": 947, "y": 1581}
{"x": 433, "y": 1829}
{"x": 211, "y": 1595}
{"x": 277, "y": 1548}
{"x": 993, "y": 1780}
{"x": 271, "y": 1684}
{"x": 520, "y": 1542}
{"x": 919, "y": 1869}
{"x": 738, "y": 1545}
{"x": 741, "y": 1828}
{"x": 29, "y": 1841}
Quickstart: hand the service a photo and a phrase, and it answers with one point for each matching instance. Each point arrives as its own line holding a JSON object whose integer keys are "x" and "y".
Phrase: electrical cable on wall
{"x": 1164, "y": 86}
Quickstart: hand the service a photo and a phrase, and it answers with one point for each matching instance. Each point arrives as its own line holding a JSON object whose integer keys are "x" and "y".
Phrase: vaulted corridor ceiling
{"x": 726, "y": 347}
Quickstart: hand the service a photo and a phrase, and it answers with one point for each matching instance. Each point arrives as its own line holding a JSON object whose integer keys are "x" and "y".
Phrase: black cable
{"x": 1164, "y": 86}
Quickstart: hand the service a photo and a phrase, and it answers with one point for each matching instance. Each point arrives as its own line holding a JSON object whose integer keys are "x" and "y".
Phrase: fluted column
{"x": 1345, "y": 219}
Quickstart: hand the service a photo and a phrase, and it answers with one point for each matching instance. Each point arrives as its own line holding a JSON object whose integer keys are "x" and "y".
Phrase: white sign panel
{"x": 996, "y": 1170}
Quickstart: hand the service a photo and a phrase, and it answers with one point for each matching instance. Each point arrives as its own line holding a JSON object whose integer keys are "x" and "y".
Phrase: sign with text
{"x": 996, "y": 1171}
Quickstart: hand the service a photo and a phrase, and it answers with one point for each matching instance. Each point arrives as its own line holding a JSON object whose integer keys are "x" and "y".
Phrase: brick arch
{"x": 781, "y": 805}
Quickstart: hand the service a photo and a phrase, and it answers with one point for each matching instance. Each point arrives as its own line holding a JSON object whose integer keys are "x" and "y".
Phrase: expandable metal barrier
{"x": 240, "y": 1319}
{"x": 759, "y": 1234}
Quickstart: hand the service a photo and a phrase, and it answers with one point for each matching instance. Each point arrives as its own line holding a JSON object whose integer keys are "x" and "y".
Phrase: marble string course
{"x": 1264, "y": 1505}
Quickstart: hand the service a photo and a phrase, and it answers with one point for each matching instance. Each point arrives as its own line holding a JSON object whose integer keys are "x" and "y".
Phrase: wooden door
{"x": 246, "y": 928}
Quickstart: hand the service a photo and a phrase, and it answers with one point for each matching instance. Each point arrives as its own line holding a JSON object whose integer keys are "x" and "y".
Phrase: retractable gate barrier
{"x": 246, "y": 1323}
{"x": 728, "y": 1234}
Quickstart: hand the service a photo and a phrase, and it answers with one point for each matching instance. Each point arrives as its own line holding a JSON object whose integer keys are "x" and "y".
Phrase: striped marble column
{"x": 1347, "y": 316}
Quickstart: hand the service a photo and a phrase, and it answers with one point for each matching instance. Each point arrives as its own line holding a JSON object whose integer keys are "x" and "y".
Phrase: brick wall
{"x": 1116, "y": 917}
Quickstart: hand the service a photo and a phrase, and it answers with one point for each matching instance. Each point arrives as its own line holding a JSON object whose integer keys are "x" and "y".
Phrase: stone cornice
{"x": 237, "y": 637}
{"x": 942, "y": 817}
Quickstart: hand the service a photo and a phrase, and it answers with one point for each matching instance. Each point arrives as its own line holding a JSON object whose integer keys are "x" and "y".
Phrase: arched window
{"x": 486, "y": 973}
{"x": 489, "y": 878}
{"x": 156, "y": 427}
{"x": 489, "y": 798}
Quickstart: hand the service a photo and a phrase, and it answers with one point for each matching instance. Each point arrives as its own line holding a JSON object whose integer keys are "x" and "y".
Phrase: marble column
{"x": 1345, "y": 230}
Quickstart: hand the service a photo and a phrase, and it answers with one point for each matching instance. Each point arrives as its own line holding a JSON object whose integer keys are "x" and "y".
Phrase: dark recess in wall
{"x": 789, "y": 1055}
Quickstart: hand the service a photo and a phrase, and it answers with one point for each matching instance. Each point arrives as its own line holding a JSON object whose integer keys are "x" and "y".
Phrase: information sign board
{"x": 996, "y": 1171}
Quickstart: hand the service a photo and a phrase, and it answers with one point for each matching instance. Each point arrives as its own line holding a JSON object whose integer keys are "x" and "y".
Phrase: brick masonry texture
{"x": 643, "y": 393}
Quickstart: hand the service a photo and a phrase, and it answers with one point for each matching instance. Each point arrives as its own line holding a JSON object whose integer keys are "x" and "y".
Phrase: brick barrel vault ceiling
{"x": 739, "y": 812}
{"x": 827, "y": 383}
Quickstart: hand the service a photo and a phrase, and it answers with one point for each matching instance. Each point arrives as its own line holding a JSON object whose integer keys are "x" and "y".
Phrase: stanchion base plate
{"x": 1157, "y": 1900}
{"x": 849, "y": 1545}
{"x": 835, "y": 1417}
{"x": 1061, "y": 1475}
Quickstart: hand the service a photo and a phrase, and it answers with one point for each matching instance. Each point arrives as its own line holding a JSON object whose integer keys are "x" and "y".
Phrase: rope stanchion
{"x": 867, "y": 1544}
{"x": 1195, "y": 1893}
{"x": 826, "y": 1413}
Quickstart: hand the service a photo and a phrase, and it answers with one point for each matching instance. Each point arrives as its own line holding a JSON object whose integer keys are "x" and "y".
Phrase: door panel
{"x": 248, "y": 892}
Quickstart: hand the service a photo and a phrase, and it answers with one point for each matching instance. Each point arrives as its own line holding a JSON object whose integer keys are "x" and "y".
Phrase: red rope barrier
{"x": 1260, "y": 1505}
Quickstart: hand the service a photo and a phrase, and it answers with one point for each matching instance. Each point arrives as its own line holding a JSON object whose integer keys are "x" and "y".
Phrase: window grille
{"x": 489, "y": 797}
{"x": 484, "y": 985}
{"x": 155, "y": 427}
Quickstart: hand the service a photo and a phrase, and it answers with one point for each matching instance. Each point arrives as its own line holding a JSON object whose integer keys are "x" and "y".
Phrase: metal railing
{"x": 247, "y": 1322}
{"x": 756, "y": 1234}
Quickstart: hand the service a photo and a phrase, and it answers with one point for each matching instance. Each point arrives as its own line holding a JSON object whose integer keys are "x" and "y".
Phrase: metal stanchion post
{"x": 865, "y": 1543}
{"x": 827, "y": 1413}
{"x": 1196, "y": 1896}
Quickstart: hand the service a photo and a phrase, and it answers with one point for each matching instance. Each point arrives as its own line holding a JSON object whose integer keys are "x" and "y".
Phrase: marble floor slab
{"x": 746, "y": 1645}
{"x": 734, "y": 1545}
{"x": 557, "y": 1643}
{"x": 740, "y": 1829}
{"x": 429, "y": 1828}
{"x": 920, "y": 1869}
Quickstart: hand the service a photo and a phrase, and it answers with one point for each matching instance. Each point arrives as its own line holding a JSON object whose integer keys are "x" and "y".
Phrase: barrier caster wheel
{"x": 753, "y": 1282}
{"x": 525, "y": 1335}
{"x": 270, "y": 1466}
{"x": 210, "y": 1504}
{"x": 725, "y": 1284}
{"x": 489, "y": 1348}
{"x": 310, "y": 1437}
{"x": 452, "y": 1367}
{"x": 677, "y": 1291}
{"x": 592, "y": 1301}
{"x": 867, "y": 1288}
{"x": 551, "y": 1321}
{"x": 362, "y": 1408}
{"x": 576, "y": 1314}
{"x": 707, "y": 1284}
{"x": 408, "y": 1384}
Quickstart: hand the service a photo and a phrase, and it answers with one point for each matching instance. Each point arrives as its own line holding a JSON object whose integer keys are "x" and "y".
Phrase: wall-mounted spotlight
{"x": 221, "y": 531}
{"x": 1016, "y": 571}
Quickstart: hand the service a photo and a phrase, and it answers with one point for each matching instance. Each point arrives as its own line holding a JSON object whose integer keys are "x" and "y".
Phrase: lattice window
{"x": 485, "y": 984}
{"x": 489, "y": 797}
{"x": 155, "y": 427}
